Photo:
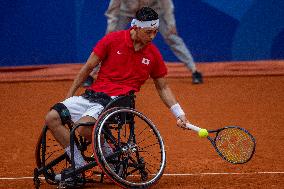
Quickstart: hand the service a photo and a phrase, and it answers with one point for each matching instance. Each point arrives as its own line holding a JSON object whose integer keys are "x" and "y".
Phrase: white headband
{"x": 145, "y": 24}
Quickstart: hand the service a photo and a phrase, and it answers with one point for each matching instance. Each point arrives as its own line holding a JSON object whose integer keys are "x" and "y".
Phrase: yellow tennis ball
{"x": 202, "y": 133}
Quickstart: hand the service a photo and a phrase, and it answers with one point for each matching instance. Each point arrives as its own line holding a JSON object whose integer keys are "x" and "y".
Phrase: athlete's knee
{"x": 58, "y": 115}
{"x": 52, "y": 119}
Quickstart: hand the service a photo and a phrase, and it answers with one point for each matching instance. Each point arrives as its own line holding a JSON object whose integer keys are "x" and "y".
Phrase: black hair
{"x": 146, "y": 14}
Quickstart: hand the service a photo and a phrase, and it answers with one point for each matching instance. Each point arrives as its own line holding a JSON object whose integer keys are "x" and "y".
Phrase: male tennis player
{"x": 128, "y": 58}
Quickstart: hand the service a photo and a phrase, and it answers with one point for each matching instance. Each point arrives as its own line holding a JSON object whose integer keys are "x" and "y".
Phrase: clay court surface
{"x": 253, "y": 101}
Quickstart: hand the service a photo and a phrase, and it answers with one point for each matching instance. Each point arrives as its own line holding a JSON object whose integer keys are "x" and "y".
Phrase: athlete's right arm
{"x": 87, "y": 68}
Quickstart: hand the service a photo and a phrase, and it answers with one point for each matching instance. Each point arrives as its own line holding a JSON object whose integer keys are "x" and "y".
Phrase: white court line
{"x": 198, "y": 174}
{"x": 168, "y": 174}
{"x": 17, "y": 178}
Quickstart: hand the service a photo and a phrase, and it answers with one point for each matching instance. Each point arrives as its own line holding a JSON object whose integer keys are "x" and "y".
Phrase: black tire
{"x": 137, "y": 157}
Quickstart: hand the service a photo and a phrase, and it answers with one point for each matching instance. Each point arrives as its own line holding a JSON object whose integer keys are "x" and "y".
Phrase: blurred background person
{"x": 120, "y": 13}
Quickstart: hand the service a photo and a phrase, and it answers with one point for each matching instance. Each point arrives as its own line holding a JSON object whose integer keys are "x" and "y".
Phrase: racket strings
{"x": 235, "y": 145}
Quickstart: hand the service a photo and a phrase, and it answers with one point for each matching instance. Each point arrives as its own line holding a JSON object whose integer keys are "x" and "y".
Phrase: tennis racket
{"x": 234, "y": 144}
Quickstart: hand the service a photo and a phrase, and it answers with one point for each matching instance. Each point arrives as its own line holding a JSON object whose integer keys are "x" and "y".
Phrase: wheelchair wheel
{"x": 50, "y": 156}
{"x": 129, "y": 148}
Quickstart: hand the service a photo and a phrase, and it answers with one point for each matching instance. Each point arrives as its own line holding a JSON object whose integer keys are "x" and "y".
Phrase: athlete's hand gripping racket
{"x": 234, "y": 144}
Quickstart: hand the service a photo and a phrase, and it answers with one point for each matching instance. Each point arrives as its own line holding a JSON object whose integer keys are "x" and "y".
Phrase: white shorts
{"x": 80, "y": 107}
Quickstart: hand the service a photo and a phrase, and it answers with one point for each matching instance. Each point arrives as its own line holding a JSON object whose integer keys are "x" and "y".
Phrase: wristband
{"x": 177, "y": 110}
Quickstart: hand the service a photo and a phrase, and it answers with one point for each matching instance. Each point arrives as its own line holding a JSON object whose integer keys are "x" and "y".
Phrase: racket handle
{"x": 193, "y": 127}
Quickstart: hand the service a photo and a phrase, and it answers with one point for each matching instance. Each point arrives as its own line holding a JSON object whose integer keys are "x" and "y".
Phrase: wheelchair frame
{"x": 122, "y": 105}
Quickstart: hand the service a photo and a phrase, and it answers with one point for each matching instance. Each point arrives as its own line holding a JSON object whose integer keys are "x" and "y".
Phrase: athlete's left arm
{"x": 165, "y": 92}
{"x": 168, "y": 98}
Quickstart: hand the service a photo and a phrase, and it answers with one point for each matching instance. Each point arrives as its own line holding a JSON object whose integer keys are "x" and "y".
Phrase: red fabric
{"x": 124, "y": 69}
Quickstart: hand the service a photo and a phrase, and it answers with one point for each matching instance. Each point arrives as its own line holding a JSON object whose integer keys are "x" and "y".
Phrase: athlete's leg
{"x": 60, "y": 133}
{"x": 86, "y": 131}
{"x": 74, "y": 109}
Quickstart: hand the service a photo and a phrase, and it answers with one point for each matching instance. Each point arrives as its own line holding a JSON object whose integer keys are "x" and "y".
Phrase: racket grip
{"x": 193, "y": 127}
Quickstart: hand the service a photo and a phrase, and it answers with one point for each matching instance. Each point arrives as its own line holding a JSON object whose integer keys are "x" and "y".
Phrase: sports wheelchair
{"x": 138, "y": 155}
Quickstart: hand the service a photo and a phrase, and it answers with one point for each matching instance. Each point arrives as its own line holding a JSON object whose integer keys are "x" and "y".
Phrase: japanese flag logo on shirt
{"x": 145, "y": 61}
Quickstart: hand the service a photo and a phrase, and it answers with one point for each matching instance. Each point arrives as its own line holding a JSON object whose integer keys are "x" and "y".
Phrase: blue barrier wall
{"x": 42, "y": 32}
